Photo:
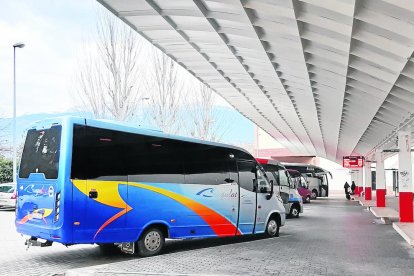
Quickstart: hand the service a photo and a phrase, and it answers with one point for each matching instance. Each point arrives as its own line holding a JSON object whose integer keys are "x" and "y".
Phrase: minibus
{"x": 83, "y": 181}
{"x": 301, "y": 185}
{"x": 316, "y": 177}
{"x": 287, "y": 189}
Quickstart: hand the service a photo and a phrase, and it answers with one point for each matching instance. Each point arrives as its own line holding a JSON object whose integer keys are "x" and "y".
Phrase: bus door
{"x": 324, "y": 185}
{"x": 264, "y": 205}
{"x": 273, "y": 175}
{"x": 248, "y": 196}
{"x": 284, "y": 189}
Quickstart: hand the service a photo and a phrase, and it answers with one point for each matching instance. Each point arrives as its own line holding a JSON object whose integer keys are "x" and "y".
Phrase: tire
{"x": 314, "y": 194}
{"x": 307, "y": 199}
{"x": 294, "y": 211}
{"x": 272, "y": 228}
{"x": 150, "y": 243}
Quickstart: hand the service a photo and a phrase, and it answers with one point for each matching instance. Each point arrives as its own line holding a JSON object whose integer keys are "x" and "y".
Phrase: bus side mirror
{"x": 269, "y": 196}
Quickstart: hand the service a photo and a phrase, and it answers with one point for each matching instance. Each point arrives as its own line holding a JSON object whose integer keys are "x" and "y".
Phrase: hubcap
{"x": 152, "y": 241}
{"x": 295, "y": 212}
{"x": 313, "y": 194}
{"x": 272, "y": 228}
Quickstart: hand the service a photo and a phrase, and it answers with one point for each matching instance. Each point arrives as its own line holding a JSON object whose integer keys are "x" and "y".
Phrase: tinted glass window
{"x": 41, "y": 153}
{"x": 6, "y": 189}
{"x": 206, "y": 172}
{"x": 247, "y": 175}
{"x": 205, "y": 164}
{"x": 153, "y": 159}
{"x": 272, "y": 172}
{"x": 106, "y": 154}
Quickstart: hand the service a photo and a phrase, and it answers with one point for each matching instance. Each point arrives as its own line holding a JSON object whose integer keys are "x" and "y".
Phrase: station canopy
{"x": 323, "y": 77}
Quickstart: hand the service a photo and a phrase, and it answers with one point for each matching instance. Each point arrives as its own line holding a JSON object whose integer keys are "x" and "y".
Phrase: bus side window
{"x": 205, "y": 164}
{"x": 206, "y": 172}
{"x": 154, "y": 160}
{"x": 247, "y": 175}
{"x": 262, "y": 184}
{"x": 283, "y": 179}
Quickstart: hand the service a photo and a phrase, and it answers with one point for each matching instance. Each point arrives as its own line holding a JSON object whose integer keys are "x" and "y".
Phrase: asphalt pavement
{"x": 332, "y": 237}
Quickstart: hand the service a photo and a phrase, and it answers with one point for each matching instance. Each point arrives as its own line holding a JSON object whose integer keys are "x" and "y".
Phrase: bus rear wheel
{"x": 151, "y": 242}
{"x": 272, "y": 227}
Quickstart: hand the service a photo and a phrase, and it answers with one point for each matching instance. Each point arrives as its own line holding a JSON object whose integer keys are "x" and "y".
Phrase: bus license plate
{"x": 128, "y": 247}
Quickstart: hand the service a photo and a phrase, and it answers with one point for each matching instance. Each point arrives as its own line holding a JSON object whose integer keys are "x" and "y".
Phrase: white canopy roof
{"x": 323, "y": 77}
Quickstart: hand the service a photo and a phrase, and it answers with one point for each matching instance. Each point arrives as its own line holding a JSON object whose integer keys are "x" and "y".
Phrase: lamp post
{"x": 17, "y": 45}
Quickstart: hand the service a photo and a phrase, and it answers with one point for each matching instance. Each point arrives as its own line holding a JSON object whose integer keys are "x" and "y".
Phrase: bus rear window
{"x": 41, "y": 152}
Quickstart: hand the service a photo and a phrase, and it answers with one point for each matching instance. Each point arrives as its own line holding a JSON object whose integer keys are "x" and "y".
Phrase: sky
{"x": 54, "y": 32}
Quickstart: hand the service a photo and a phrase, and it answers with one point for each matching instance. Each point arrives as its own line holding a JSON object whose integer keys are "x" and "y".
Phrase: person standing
{"x": 346, "y": 187}
{"x": 353, "y": 187}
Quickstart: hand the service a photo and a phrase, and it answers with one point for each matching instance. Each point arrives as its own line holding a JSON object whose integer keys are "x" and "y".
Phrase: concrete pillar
{"x": 405, "y": 177}
{"x": 368, "y": 180}
{"x": 380, "y": 178}
{"x": 359, "y": 182}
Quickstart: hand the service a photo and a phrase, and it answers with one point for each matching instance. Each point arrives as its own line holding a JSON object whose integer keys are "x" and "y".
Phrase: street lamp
{"x": 17, "y": 45}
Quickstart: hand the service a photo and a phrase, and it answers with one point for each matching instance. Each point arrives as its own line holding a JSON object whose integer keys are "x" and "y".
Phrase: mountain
{"x": 232, "y": 126}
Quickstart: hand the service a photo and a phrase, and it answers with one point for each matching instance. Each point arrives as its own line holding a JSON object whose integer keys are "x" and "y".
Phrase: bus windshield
{"x": 41, "y": 153}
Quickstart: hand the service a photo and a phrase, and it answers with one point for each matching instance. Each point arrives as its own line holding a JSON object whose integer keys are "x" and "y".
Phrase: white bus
{"x": 317, "y": 178}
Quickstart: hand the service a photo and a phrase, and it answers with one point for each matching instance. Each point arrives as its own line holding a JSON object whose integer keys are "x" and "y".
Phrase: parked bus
{"x": 316, "y": 177}
{"x": 87, "y": 181}
{"x": 285, "y": 186}
{"x": 301, "y": 185}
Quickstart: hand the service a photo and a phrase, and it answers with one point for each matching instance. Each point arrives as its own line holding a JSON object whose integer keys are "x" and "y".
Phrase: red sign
{"x": 353, "y": 161}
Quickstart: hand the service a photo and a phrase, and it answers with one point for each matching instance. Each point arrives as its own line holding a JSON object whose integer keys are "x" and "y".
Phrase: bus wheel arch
{"x": 152, "y": 239}
{"x": 273, "y": 225}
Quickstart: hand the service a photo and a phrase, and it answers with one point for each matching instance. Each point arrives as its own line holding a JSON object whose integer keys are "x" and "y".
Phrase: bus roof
{"x": 306, "y": 168}
{"x": 125, "y": 127}
{"x": 265, "y": 161}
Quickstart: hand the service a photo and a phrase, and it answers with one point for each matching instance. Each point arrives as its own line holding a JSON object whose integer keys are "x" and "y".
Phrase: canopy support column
{"x": 368, "y": 181}
{"x": 405, "y": 185}
{"x": 381, "y": 191}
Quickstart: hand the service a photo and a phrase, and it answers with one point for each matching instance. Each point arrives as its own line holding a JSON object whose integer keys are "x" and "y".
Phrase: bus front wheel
{"x": 272, "y": 227}
{"x": 151, "y": 242}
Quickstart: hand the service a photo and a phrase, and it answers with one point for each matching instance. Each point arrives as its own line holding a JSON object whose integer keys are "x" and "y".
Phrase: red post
{"x": 380, "y": 197}
{"x": 368, "y": 193}
{"x": 406, "y": 206}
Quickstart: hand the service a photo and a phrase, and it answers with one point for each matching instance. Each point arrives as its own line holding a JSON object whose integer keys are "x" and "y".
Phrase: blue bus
{"x": 85, "y": 181}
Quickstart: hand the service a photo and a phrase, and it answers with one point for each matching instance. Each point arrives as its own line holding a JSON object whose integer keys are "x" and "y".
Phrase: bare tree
{"x": 205, "y": 122}
{"x": 166, "y": 89}
{"x": 109, "y": 79}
